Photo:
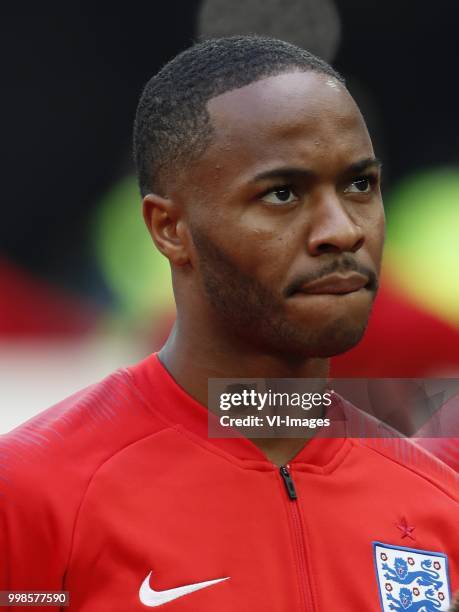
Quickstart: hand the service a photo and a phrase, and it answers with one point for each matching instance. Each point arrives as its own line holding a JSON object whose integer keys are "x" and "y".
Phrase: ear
{"x": 167, "y": 228}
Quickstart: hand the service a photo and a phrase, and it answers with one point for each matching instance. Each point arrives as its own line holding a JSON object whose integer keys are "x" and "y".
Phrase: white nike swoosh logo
{"x": 151, "y": 598}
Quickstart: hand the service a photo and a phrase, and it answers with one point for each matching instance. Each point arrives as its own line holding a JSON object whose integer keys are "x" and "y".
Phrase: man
{"x": 261, "y": 187}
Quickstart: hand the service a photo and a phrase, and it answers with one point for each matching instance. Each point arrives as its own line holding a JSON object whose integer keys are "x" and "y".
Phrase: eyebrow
{"x": 292, "y": 172}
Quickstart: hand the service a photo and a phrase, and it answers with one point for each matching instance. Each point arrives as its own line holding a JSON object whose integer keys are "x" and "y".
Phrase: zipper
{"x": 288, "y": 481}
{"x": 298, "y": 534}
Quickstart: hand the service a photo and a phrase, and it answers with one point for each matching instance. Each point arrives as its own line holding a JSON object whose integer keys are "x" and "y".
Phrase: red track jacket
{"x": 117, "y": 496}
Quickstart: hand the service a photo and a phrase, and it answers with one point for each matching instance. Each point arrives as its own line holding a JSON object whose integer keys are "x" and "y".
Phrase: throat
{"x": 280, "y": 450}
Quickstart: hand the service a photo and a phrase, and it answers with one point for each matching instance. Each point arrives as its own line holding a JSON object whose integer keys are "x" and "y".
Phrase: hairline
{"x": 195, "y": 153}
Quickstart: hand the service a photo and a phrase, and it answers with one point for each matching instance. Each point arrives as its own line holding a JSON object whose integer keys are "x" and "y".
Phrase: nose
{"x": 331, "y": 229}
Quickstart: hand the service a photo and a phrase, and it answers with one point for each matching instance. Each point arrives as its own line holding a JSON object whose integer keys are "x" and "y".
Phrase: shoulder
{"x": 77, "y": 433}
{"x": 409, "y": 456}
{"x": 403, "y": 460}
{"x": 399, "y": 456}
{"x": 64, "y": 445}
{"x": 440, "y": 435}
{"x": 46, "y": 466}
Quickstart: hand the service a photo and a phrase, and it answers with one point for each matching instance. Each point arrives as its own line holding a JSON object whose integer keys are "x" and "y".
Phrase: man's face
{"x": 289, "y": 224}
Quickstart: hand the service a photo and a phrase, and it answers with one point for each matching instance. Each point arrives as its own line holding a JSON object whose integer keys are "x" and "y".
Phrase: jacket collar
{"x": 174, "y": 405}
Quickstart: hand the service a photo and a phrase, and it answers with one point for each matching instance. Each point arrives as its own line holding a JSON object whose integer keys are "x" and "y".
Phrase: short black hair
{"x": 172, "y": 123}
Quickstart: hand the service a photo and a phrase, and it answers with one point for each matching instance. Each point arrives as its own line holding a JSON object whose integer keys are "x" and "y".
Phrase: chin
{"x": 328, "y": 340}
{"x": 338, "y": 338}
{"x": 326, "y": 326}
{"x": 314, "y": 333}
{"x": 337, "y": 346}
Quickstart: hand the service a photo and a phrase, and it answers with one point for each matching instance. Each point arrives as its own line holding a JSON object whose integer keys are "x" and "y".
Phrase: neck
{"x": 192, "y": 358}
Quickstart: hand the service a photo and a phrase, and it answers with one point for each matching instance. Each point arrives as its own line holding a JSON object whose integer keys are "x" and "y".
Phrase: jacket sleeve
{"x": 35, "y": 518}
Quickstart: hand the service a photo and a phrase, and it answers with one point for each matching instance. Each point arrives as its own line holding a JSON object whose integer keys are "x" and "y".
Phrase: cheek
{"x": 261, "y": 252}
{"x": 375, "y": 236}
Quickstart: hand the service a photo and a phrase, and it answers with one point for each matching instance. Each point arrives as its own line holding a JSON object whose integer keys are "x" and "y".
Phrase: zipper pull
{"x": 286, "y": 477}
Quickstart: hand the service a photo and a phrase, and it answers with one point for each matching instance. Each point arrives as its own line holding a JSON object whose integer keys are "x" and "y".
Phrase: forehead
{"x": 302, "y": 117}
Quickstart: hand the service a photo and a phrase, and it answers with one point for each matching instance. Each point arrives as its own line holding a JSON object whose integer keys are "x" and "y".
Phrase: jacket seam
{"x": 194, "y": 438}
{"x": 86, "y": 489}
{"x": 412, "y": 469}
{"x": 232, "y": 459}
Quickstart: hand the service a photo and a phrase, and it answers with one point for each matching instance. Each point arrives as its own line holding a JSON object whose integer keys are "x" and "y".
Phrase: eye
{"x": 279, "y": 195}
{"x": 362, "y": 184}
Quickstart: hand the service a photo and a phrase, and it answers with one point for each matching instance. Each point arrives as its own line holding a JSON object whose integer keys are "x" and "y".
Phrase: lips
{"x": 336, "y": 284}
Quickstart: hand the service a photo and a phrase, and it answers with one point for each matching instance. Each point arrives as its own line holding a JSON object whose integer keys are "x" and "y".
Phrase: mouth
{"x": 335, "y": 284}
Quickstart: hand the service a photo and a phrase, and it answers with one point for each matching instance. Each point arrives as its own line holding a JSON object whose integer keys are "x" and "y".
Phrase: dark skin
{"x": 287, "y": 192}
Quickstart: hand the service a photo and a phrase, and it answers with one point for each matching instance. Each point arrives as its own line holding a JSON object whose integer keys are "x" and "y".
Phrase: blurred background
{"x": 82, "y": 290}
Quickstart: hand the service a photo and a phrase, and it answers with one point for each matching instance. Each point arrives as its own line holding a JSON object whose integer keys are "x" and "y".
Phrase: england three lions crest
{"x": 411, "y": 580}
